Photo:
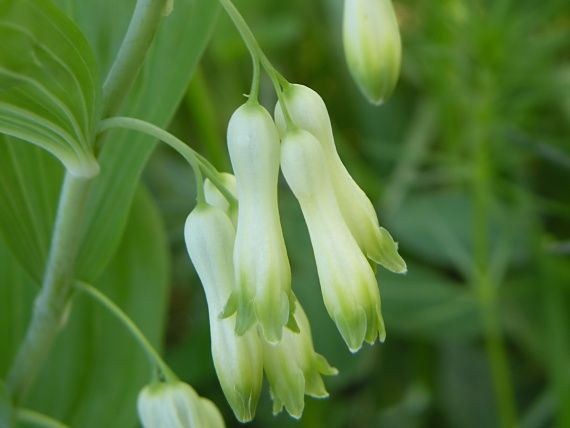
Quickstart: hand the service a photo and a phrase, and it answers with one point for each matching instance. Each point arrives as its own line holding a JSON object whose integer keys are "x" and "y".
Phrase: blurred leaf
{"x": 96, "y": 369}
{"x": 49, "y": 86}
{"x": 437, "y": 226}
{"x": 424, "y": 303}
{"x": 465, "y": 388}
{"x": 408, "y": 412}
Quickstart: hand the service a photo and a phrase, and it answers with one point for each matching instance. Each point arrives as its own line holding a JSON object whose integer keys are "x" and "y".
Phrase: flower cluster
{"x": 257, "y": 325}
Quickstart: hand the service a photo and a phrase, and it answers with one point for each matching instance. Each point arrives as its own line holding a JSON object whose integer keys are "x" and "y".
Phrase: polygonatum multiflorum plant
{"x": 51, "y": 96}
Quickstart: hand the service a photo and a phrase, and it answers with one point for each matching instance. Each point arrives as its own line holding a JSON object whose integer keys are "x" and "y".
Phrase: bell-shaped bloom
{"x": 238, "y": 360}
{"x": 216, "y": 198}
{"x": 372, "y": 46}
{"x": 307, "y": 109}
{"x": 294, "y": 369}
{"x": 262, "y": 272}
{"x": 176, "y": 405}
{"x": 348, "y": 284}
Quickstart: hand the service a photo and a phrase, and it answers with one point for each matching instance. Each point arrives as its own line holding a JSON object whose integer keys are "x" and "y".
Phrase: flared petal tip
{"x": 385, "y": 253}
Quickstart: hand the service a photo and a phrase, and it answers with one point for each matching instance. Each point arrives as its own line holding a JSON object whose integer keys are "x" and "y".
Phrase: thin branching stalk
{"x": 153, "y": 356}
{"x": 198, "y": 163}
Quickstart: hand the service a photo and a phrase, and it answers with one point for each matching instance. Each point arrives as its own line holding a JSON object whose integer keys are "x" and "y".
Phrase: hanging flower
{"x": 348, "y": 284}
{"x": 262, "y": 272}
{"x": 372, "y": 46}
{"x": 294, "y": 369}
{"x": 238, "y": 360}
{"x": 308, "y": 111}
{"x": 176, "y": 405}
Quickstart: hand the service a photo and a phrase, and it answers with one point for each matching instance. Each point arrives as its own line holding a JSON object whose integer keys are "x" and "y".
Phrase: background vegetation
{"x": 468, "y": 165}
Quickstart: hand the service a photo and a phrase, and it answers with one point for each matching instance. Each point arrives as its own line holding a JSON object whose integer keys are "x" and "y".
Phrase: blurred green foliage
{"x": 468, "y": 164}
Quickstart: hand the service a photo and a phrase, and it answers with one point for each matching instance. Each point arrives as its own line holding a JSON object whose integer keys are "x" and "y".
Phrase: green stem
{"x": 135, "y": 332}
{"x": 142, "y": 29}
{"x": 31, "y": 417}
{"x": 50, "y": 304}
{"x": 258, "y": 56}
{"x": 198, "y": 162}
{"x": 486, "y": 288}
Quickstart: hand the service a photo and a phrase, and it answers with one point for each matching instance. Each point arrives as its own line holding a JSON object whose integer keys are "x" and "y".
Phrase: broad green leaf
{"x": 96, "y": 369}
{"x": 49, "y": 87}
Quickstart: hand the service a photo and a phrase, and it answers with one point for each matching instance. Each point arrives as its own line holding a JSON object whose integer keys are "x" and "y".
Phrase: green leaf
{"x": 29, "y": 180}
{"x": 29, "y": 189}
{"x": 96, "y": 368}
{"x": 49, "y": 87}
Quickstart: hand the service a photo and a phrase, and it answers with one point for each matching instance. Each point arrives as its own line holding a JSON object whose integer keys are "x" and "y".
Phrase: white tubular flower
{"x": 214, "y": 196}
{"x": 176, "y": 405}
{"x": 348, "y": 283}
{"x": 263, "y": 275}
{"x": 372, "y": 46}
{"x": 294, "y": 369}
{"x": 238, "y": 360}
{"x": 308, "y": 111}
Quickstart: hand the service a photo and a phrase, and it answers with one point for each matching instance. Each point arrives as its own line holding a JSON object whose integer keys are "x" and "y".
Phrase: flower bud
{"x": 348, "y": 283}
{"x": 372, "y": 46}
{"x": 262, "y": 272}
{"x": 176, "y": 405}
{"x": 238, "y": 360}
{"x": 309, "y": 112}
{"x": 216, "y": 198}
{"x": 294, "y": 369}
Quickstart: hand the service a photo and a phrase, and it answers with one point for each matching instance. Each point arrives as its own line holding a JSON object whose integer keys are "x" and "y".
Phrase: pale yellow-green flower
{"x": 348, "y": 284}
{"x": 309, "y": 112}
{"x": 262, "y": 272}
{"x": 294, "y": 369}
{"x": 372, "y": 46}
{"x": 238, "y": 360}
{"x": 176, "y": 405}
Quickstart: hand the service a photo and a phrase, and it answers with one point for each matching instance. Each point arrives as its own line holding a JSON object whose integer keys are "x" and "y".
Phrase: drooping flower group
{"x": 257, "y": 325}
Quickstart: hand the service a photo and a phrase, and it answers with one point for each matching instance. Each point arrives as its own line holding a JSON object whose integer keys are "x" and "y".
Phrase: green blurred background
{"x": 468, "y": 165}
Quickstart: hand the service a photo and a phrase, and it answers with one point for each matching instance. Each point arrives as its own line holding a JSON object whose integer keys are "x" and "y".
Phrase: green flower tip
{"x": 243, "y": 404}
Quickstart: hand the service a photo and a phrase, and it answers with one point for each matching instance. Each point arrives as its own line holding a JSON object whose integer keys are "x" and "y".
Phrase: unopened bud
{"x": 176, "y": 405}
{"x": 372, "y": 46}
